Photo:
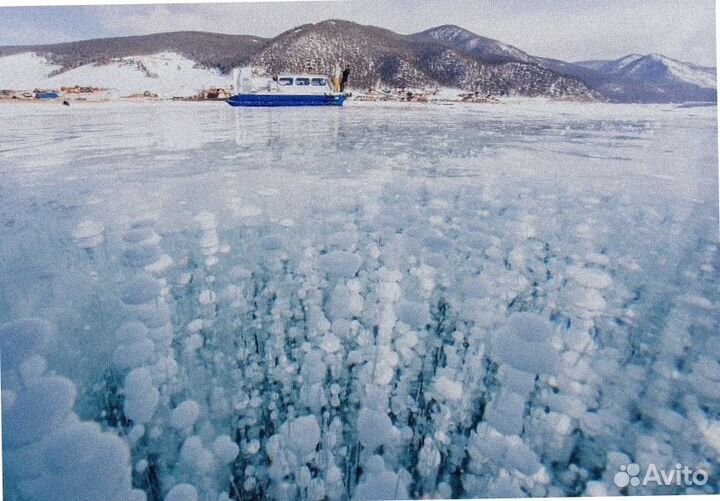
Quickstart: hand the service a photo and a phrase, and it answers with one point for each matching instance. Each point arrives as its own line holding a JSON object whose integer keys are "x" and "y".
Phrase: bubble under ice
{"x": 371, "y": 302}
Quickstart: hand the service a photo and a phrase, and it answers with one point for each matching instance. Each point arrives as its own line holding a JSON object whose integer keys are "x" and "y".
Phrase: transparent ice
{"x": 199, "y": 302}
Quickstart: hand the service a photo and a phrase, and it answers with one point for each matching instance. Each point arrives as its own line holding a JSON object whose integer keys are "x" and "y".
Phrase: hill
{"x": 377, "y": 57}
{"x": 381, "y": 57}
{"x": 632, "y": 78}
{"x": 486, "y": 49}
{"x": 447, "y": 55}
{"x": 211, "y": 50}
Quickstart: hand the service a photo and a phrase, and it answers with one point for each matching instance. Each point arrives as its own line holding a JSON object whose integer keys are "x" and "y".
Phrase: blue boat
{"x": 285, "y": 100}
{"x": 285, "y": 90}
{"x": 46, "y": 95}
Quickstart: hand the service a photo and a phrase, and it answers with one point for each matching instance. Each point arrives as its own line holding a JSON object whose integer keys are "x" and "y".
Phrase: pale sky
{"x": 565, "y": 29}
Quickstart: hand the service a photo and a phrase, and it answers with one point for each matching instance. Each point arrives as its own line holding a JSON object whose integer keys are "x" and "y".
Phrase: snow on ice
{"x": 361, "y": 303}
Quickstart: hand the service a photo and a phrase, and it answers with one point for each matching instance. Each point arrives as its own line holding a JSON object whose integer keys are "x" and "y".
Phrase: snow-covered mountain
{"x": 167, "y": 74}
{"x": 184, "y": 63}
{"x": 485, "y": 48}
{"x": 611, "y": 66}
{"x": 212, "y": 50}
{"x": 659, "y": 69}
{"x": 378, "y": 55}
{"x": 632, "y": 78}
{"x": 652, "y": 78}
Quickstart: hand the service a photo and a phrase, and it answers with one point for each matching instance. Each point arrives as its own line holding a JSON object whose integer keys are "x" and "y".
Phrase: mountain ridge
{"x": 666, "y": 80}
{"x": 206, "y": 48}
{"x": 488, "y": 49}
{"x": 380, "y": 56}
{"x": 446, "y": 55}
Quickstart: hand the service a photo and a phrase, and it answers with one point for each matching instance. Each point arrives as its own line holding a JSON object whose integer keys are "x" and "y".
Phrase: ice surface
{"x": 301, "y": 435}
{"x": 379, "y": 483}
{"x": 133, "y": 354}
{"x": 44, "y": 405}
{"x": 185, "y": 414}
{"x": 448, "y": 389}
{"x": 525, "y": 344}
{"x": 182, "y": 492}
{"x": 131, "y": 331}
{"x": 375, "y": 428}
{"x": 438, "y": 301}
{"x": 49, "y": 453}
{"x": 141, "y": 290}
{"x": 88, "y": 234}
{"x": 21, "y": 338}
{"x": 341, "y": 264}
{"x": 225, "y": 449}
{"x": 141, "y": 397}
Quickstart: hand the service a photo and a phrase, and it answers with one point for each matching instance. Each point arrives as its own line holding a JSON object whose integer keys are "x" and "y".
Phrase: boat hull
{"x": 257, "y": 100}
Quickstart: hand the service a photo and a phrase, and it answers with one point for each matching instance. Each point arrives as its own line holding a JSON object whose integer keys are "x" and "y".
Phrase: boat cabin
{"x": 303, "y": 81}
{"x": 285, "y": 83}
{"x": 299, "y": 84}
{"x": 284, "y": 90}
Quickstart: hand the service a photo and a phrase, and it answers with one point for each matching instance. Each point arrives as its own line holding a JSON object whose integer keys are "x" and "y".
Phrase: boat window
{"x": 285, "y": 81}
{"x": 319, "y": 82}
{"x": 302, "y": 81}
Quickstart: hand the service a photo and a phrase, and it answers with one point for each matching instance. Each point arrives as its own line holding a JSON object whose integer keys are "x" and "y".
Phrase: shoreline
{"x": 352, "y": 103}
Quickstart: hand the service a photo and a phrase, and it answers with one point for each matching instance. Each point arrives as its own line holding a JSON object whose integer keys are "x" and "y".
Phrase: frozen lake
{"x": 366, "y": 302}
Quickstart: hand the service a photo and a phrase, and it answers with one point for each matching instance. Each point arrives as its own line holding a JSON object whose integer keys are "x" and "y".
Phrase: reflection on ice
{"x": 267, "y": 127}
